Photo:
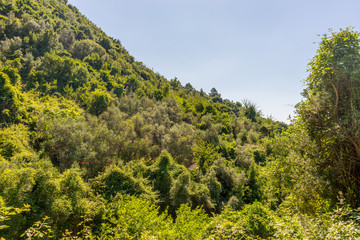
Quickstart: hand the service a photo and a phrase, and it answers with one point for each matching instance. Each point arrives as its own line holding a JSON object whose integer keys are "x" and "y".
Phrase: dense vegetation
{"x": 95, "y": 145}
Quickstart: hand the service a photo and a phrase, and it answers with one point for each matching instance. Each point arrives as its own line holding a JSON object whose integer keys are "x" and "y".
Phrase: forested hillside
{"x": 95, "y": 145}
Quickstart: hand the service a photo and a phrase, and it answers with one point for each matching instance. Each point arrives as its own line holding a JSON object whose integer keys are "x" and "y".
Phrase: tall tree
{"x": 331, "y": 111}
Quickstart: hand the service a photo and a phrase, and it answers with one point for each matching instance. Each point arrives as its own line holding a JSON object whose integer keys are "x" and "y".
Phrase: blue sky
{"x": 256, "y": 50}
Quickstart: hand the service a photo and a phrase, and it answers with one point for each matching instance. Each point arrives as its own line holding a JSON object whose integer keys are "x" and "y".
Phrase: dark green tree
{"x": 250, "y": 110}
{"x": 100, "y": 100}
{"x": 179, "y": 192}
{"x": 215, "y": 96}
{"x": 115, "y": 180}
{"x": 161, "y": 176}
{"x": 252, "y": 188}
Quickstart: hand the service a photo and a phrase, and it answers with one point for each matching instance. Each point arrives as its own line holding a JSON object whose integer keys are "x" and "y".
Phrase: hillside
{"x": 95, "y": 145}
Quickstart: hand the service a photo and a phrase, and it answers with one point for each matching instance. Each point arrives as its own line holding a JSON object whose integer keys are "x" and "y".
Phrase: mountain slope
{"x": 101, "y": 147}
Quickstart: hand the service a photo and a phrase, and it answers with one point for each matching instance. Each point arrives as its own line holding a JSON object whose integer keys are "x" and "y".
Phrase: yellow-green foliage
{"x": 16, "y": 184}
{"x": 133, "y": 218}
{"x": 14, "y": 143}
{"x": 10, "y": 100}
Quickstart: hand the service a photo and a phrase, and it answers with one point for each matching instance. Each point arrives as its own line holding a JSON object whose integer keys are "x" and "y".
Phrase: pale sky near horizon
{"x": 256, "y": 50}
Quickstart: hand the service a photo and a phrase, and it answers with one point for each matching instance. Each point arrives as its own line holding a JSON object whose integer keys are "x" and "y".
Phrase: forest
{"x": 96, "y": 145}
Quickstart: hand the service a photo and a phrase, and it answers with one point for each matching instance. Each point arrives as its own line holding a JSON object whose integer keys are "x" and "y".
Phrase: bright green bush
{"x": 134, "y": 218}
{"x": 189, "y": 224}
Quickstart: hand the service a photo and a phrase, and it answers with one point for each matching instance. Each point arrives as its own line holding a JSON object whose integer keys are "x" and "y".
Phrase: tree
{"x": 85, "y": 47}
{"x": 216, "y": 97}
{"x": 250, "y": 110}
{"x": 132, "y": 83}
{"x": 205, "y": 155}
{"x": 129, "y": 217}
{"x": 214, "y": 93}
{"x": 175, "y": 83}
{"x": 67, "y": 37}
{"x": 115, "y": 180}
{"x": 179, "y": 192}
{"x": 189, "y": 88}
{"x": 252, "y": 191}
{"x": 331, "y": 112}
{"x": 47, "y": 41}
{"x": 10, "y": 98}
{"x": 162, "y": 178}
{"x": 100, "y": 100}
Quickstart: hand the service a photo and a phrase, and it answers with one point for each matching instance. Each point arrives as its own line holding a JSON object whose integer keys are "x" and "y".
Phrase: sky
{"x": 256, "y": 50}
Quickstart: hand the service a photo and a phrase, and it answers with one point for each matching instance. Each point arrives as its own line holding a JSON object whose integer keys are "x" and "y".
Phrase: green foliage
{"x": 40, "y": 229}
{"x": 162, "y": 177}
{"x": 257, "y": 220}
{"x": 179, "y": 142}
{"x": 10, "y": 99}
{"x": 250, "y": 110}
{"x": 189, "y": 224}
{"x": 114, "y": 180}
{"x": 16, "y": 185}
{"x": 132, "y": 83}
{"x": 179, "y": 192}
{"x": 62, "y": 138}
{"x": 214, "y": 187}
{"x": 252, "y": 190}
{"x": 232, "y": 183}
{"x": 7, "y": 212}
{"x": 133, "y": 218}
{"x": 85, "y": 47}
{"x": 100, "y": 100}
{"x": 331, "y": 112}
{"x": 94, "y": 60}
{"x": 13, "y": 75}
{"x": 70, "y": 202}
{"x": 205, "y": 155}
{"x": 14, "y": 143}
{"x": 292, "y": 174}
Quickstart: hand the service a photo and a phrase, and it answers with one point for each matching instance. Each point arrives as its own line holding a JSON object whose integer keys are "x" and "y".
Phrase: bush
{"x": 114, "y": 180}
{"x": 99, "y": 102}
{"x": 258, "y": 220}
{"x": 10, "y": 100}
{"x": 83, "y": 48}
{"x": 134, "y": 218}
